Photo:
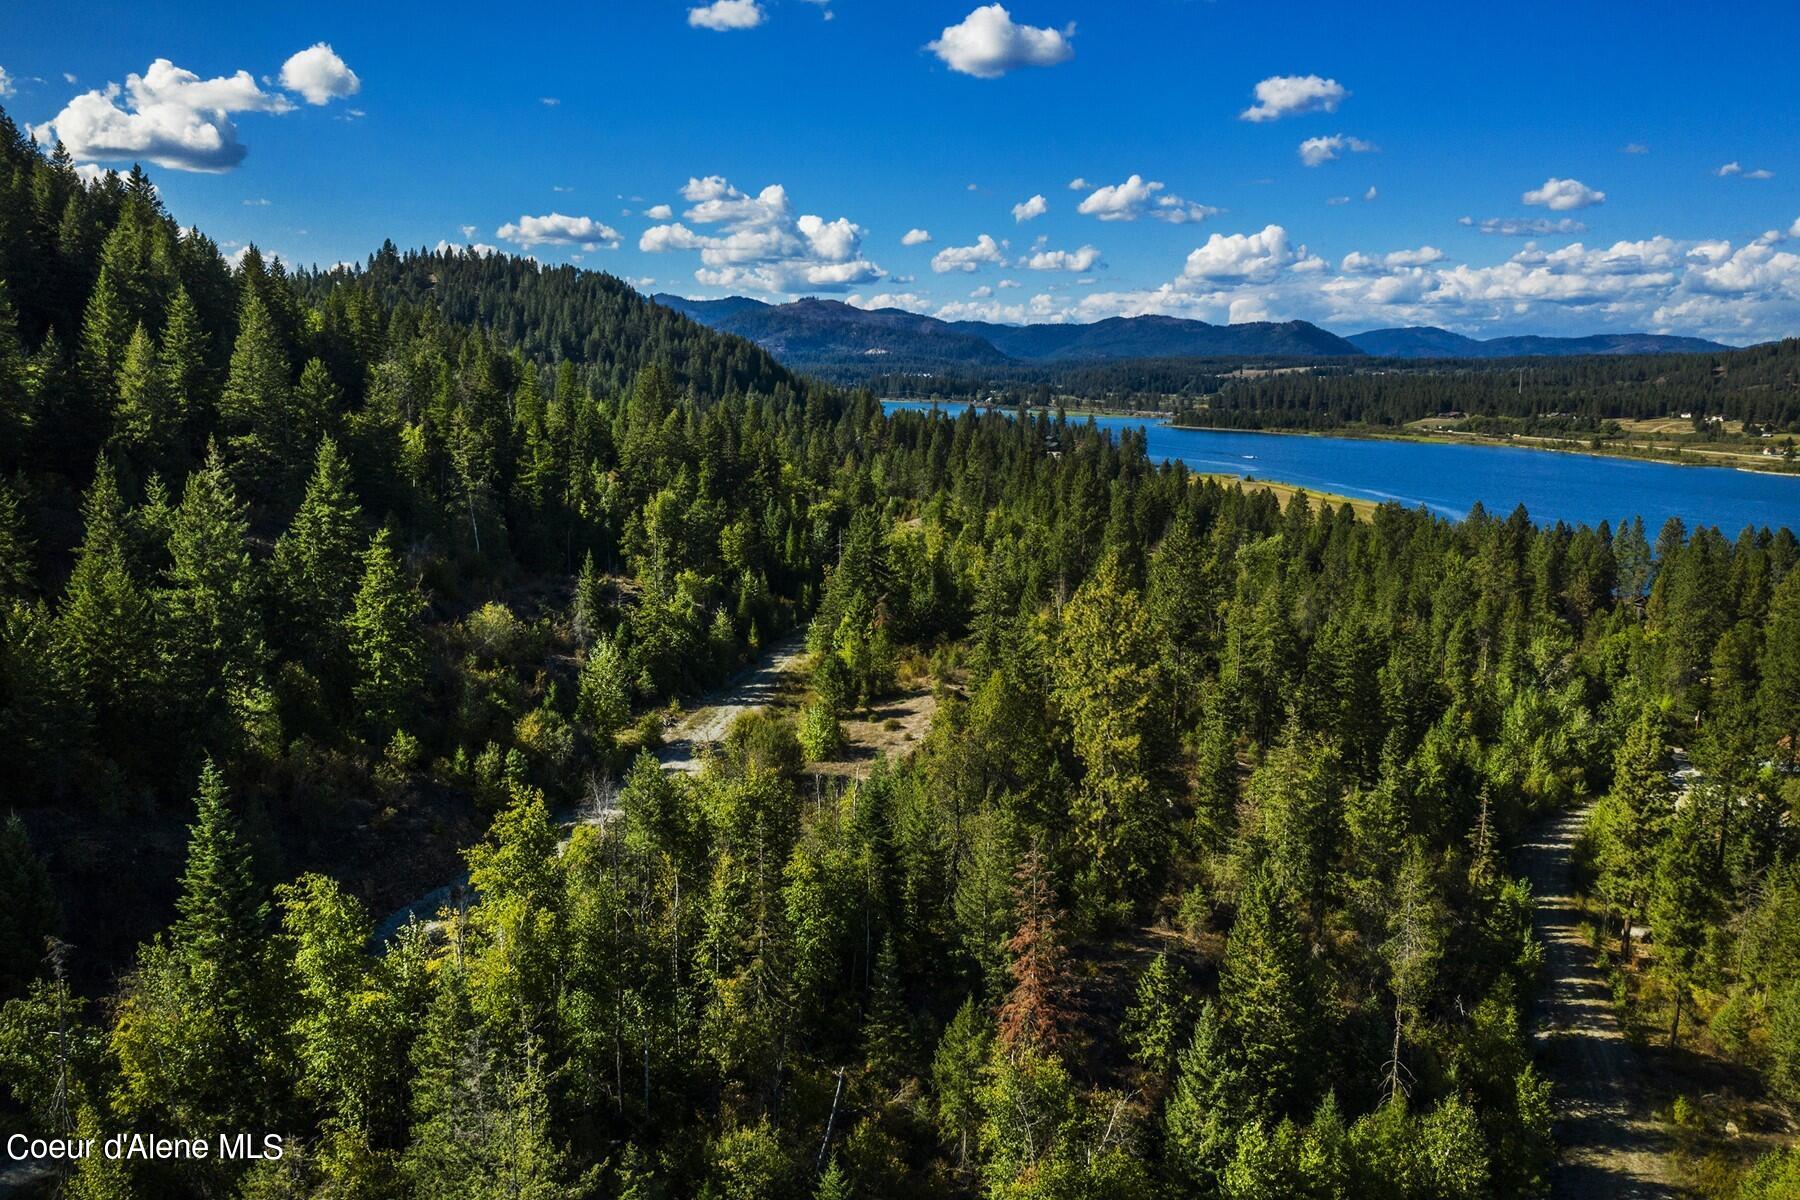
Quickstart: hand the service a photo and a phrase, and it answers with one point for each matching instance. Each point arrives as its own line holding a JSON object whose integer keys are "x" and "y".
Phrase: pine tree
{"x": 315, "y": 564}
{"x": 956, "y": 1076}
{"x": 105, "y": 334}
{"x": 887, "y": 1040}
{"x": 144, "y": 423}
{"x": 256, "y": 407}
{"x": 589, "y": 609}
{"x": 605, "y": 701}
{"x": 1271, "y": 1004}
{"x": 198, "y": 1035}
{"x": 105, "y": 628}
{"x": 1152, "y": 1022}
{"x": 214, "y": 650}
{"x": 1632, "y": 820}
{"x": 1683, "y": 907}
{"x": 1036, "y": 1014}
{"x": 385, "y": 645}
{"x": 1108, "y": 683}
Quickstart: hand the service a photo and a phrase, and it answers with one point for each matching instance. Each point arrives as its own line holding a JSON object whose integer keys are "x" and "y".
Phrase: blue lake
{"x": 1449, "y": 479}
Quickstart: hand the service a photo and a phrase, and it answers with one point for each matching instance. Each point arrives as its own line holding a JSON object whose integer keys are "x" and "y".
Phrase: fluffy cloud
{"x": 968, "y": 258}
{"x": 1561, "y": 195}
{"x": 169, "y": 116}
{"x": 1083, "y": 259}
{"x": 1794, "y": 229}
{"x": 6, "y": 83}
{"x": 1320, "y": 150}
{"x": 1030, "y": 209}
{"x": 915, "y": 237}
{"x": 1740, "y": 292}
{"x": 173, "y": 118}
{"x": 761, "y": 245}
{"x": 1079, "y": 184}
{"x": 1288, "y": 95}
{"x": 1356, "y": 262}
{"x": 660, "y": 212}
{"x": 909, "y": 301}
{"x": 724, "y": 15}
{"x": 988, "y": 43}
{"x": 1241, "y": 256}
{"x": 1524, "y": 226}
{"x": 1371, "y": 193}
{"x": 1041, "y": 307}
{"x": 1138, "y": 197}
{"x": 556, "y": 229}
{"x": 319, "y": 75}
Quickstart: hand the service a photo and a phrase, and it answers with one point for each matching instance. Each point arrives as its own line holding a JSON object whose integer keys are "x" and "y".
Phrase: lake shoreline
{"x": 1445, "y": 474}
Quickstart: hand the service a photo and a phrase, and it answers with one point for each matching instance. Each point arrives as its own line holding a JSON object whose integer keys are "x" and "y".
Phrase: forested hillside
{"x": 1196, "y": 887}
{"x": 1758, "y": 385}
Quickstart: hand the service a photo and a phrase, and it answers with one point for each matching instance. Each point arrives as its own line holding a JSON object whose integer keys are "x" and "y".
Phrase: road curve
{"x": 757, "y": 686}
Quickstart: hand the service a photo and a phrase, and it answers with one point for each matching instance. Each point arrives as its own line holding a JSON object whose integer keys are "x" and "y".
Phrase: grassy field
{"x": 1285, "y": 493}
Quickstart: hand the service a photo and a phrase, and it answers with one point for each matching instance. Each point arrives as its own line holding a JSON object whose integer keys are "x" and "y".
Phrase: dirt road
{"x": 756, "y": 687}
{"x": 1611, "y": 1147}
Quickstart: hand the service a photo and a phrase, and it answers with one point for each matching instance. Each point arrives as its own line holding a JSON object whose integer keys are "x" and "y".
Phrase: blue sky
{"x": 1582, "y": 142}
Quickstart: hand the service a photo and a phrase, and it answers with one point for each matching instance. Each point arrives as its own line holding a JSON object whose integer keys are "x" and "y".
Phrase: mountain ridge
{"x": 815, "y": 334}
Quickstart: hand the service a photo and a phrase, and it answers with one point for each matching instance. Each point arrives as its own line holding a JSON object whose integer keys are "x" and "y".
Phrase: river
{"x": 1449, "y": 479}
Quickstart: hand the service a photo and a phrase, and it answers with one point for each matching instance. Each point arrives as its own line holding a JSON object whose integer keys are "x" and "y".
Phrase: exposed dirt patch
{"x": 893, "y": 728}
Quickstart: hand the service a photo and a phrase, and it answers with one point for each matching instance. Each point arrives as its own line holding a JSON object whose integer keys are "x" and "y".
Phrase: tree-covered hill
{"x": 555, "y": 314}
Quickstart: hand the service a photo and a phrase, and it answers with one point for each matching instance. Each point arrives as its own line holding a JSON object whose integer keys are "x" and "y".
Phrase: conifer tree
{"x": 143, "y": 421}
{"x": 198, "y": 1035}
{"x": 105, "y": 625}
{"x": 256, "y": 406}
{"x": 213, "y": 649}
{"x": 384, "y": 638}
{"x": 315, "y": 565}
{"x": 1036, "y": 1012}
{"x": 1271, "y": 1004}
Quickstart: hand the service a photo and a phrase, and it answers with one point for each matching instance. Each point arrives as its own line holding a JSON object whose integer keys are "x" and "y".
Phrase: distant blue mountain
{"x": 828, "y": 333}
{"x": 1428, "y": 341}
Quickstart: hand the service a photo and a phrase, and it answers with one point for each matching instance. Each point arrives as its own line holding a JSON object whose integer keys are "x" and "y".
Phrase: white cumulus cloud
{"x": 1030, "y": 209}
{"x": 168, "y": 116}
{"x": 968, "y": 258}
{"x": 1561, "y": 195}
{"x": 915, "y": 237}
{"x": 1138, "y": 197}
{"x": 725, "y": 15}
{"x": 660, "y": 212}
{"x": 1241, "y": 255}
{"x": 1319, "y": 150}
{"x": 319, "y": 75}
{"x": 1080, "y": 260}
{"x": 761, "y": 244}
{"x": 988, "y": 43}
{"x": 1288, "y": 95}
{"x": 557, "y": 229}
{"x": 6, "y": 83}
{"x": 908, "y": 301}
